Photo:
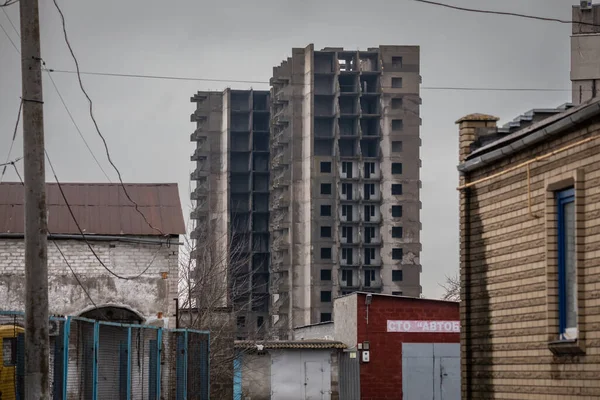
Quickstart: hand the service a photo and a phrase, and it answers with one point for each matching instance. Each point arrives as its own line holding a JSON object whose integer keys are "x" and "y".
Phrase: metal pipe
{"x": 176, "y": 312}
{"x": 95, "y": 238}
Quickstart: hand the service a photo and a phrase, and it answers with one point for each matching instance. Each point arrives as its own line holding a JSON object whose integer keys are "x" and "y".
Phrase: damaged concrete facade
{"x": 232, "y": 197}
{"x": 345, "y": 179}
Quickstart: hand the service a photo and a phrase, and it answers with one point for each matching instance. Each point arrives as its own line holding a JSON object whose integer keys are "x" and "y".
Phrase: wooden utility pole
{"x": 36, "y": 224}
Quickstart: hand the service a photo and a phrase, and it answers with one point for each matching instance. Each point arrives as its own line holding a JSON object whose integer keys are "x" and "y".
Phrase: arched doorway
{"x": 113, "y": 313}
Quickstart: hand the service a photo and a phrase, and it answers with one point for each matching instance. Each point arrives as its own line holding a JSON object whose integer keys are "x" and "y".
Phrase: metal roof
{"x": 100, "y": 209}
{"x": 288, "y": 344}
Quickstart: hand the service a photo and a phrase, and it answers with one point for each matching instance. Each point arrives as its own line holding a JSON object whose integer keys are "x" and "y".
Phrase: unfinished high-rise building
{"x": 344, "y": 179}
{"x": 232, "y": 205}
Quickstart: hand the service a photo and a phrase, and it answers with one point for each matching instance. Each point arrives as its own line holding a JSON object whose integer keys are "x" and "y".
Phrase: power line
{"x": 91, "y": 110}
{"x": 65, "y": 258}
{"x": 62, "y": 101}
{"x": 9, "y": 38}
{"x": 506, "y": 13}
{"x": 16, "y": 160}
{"x": 195, "y": 79}
{"x": 83, "y": 236}
{"x": 9, "y": 3}
{"x": 13, "y": 141}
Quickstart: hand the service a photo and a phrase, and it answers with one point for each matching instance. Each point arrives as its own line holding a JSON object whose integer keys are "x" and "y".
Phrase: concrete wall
{"x": 585, "y": 57}
{"x": 149, "y": 295}
{"x": 509, "y": 272}
{"x": 318, "y": 331}
{"x": 345, "y": 317}
{"x": 381, "y": 378}
{"x": 256, "y": 376}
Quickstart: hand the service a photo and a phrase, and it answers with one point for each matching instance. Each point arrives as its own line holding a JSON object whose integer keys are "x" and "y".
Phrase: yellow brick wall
{"x": 508, "y": 261}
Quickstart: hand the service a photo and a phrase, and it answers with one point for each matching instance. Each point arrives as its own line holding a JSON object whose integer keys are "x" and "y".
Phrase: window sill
{"x": 569, "y": 347}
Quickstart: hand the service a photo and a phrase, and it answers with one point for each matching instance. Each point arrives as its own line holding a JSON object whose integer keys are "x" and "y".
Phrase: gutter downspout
{"x": 467, "y": 293}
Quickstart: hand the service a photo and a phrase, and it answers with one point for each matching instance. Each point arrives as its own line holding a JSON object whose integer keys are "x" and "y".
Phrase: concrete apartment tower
{"x": 585, "y": 57}
{"x": 232, "y": 204}
{"x": 344, "y": 179}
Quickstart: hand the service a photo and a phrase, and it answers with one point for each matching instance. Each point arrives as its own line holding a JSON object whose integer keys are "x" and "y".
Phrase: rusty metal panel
{"x": 349, "y": 375}
{"x": 100, "y": 208}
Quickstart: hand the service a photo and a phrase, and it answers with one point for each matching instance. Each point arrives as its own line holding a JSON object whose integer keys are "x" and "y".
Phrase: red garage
{"x": 400, "y": 347}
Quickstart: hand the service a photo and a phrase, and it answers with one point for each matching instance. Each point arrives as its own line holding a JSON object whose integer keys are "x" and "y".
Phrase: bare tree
{"x": 451, "y": 288}
{"x": 218, "y": 291}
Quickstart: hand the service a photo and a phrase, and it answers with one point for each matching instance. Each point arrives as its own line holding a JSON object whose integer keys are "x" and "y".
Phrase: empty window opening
{"x": 397, "y": 146}
{"x": 348, "y": 83}
{"x": 240, "y": 101}
{"x": 325, "y": 211}
{"x": 347, "y": 169}
{"x": 368, "y": 62}
{"x": 396, "y": 168}
{"x": 397, "y": 103}
{"x": 369, "y": 169}
{"x": 369, "y": 234}
{"x": 325, "y": 167}
{"x": 323, "y": 147}
{"x": 261, "y": 142}
{"x": 369, "y": 277}
{"x": 347, "y": 147}
{"x": 260, "y": 202}
{"x": 347, "y": 105}
{"x": 397, "y": 83}
{"x": 347, "y": 234}
{"x": 240, "y": 141}
{"x": 369, "y": 148}
{"x": 369, "y": 105}
{"x": 396, "y": 293}
{"x": 396, "y": 211}
{"x": 323, "y": 127}
{"x": 240, "y": 122}
{"x": 260, "y": 162}
{"x": 369, "y": 213}
{"x": 326, "y": 296}
{"x": 347, "y": 212}
{"x": 347, "y": 190}
{"x": 323, "y": 62}
{"x": 396, "y": 276}
{"x": 369, "y": 126}
{"x": 347, "y": 256}
{"x": 397, "y": 62}
{"x": 325, "y": 274}
{"x": 325, "y": 317}
{"x": 397, "y": 254}
{"x": 396, "y": 189}
{"x": 369, "y": 84}
{"x": 325, "y": 188}
{"x": 261, "y": 183}
{"x": 347, "y": 277}
{"x": 323, "y": 106}
{"x": 260, "y": 102}
{"x": 326, "y": 253}
{"x": 324, "y": 85}
{"x": 260, "y": 122}
{"x": 325, "y": 231}
{"x": 347, "y": 127}
{"x": 369, "y": 253}
{"x": 397, "y": 124}
{"x": 260, "y": 321}
{"x": 397, "y": 232}
{"x": 369, "y": 191}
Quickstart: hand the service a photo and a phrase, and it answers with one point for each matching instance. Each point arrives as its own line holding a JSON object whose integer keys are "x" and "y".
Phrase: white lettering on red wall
{"x": 424, "y": 326}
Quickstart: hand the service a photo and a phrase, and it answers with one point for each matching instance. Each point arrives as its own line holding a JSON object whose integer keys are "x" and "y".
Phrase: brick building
{"x": 412, "y": 347}
{"x": 529, "y": 224}
{"x": 118, "y": 234}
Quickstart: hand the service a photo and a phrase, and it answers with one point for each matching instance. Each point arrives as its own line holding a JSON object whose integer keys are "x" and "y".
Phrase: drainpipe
{"x": 177, "y": 312}
{"x": 467, "y": 293}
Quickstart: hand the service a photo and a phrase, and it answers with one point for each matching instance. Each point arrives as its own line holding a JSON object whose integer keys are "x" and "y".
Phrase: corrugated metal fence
{"x": 91, "y": 360}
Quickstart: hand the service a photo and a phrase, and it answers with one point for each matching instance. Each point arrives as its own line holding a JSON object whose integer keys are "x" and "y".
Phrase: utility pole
{"x": 36, "y": 224}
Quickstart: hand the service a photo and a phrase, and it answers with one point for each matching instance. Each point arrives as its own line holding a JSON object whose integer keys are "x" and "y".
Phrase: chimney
{"x": 585, "y": 57}
{"x": 468, "y": 131}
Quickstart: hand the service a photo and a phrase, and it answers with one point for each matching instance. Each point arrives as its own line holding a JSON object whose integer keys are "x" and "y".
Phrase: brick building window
{"x": 325, "y": 317}
{"x": 326, "y": 296}
{"x": 325, "y": 211}
{"x": 567, "y": 272}
{"x": 325, "y": 188}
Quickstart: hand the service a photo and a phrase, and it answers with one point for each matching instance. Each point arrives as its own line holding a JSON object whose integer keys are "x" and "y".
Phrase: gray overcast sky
{"x": 147, "y": 124}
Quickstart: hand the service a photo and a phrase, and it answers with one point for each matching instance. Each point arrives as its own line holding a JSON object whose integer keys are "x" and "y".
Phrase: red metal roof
{"x": 100, "y": 208}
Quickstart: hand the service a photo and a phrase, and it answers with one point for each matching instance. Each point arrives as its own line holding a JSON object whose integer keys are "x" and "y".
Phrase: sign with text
{"x": 424, "y": 326}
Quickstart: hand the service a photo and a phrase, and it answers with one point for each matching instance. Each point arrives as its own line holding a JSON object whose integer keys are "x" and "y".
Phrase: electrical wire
{"x": 13, "y": 141}
{"x": 9, "y": 3}
{"x": 91, "y": 111}
{"x": 9, "y": 38}
{"x": 505, "y": 13}
{"x": 83, "y": 236}
{"x": 65, "y": 259}
{"x": 193, "y": 79}
{"x": 62, "y": 100}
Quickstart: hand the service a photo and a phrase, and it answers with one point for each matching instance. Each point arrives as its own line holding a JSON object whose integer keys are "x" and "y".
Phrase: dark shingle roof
{"x": 100, "y": 208}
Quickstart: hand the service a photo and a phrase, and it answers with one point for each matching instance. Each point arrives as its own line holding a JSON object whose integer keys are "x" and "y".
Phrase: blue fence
{"x": 96, "y": 360}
